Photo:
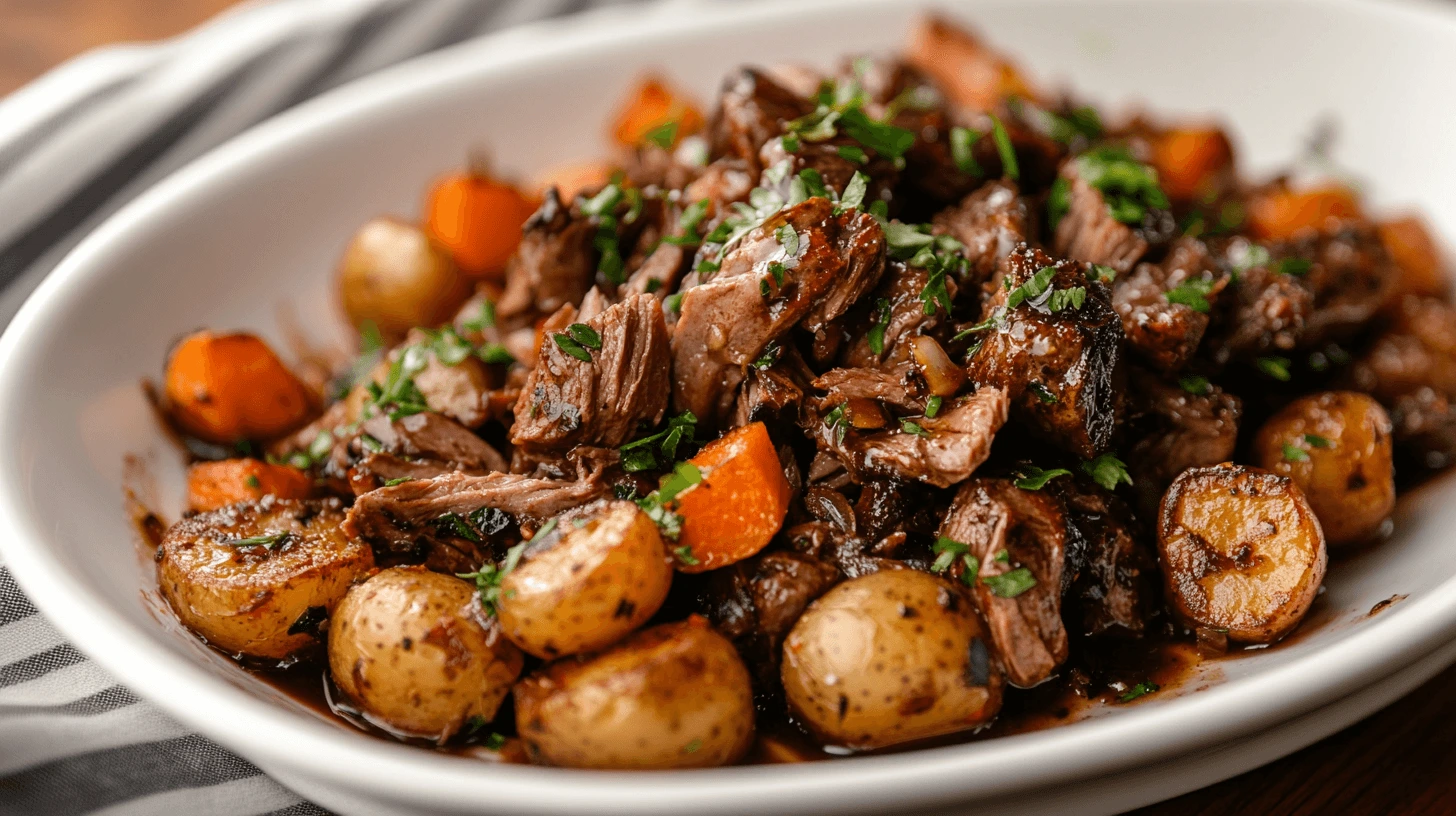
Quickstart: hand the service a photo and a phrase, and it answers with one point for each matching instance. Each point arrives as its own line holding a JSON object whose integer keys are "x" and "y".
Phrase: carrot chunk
{"x": 738, "y": 506}
{"x": 1279, "y": 212}
{"x": 478, "y": 219}
{"x": 571, "y": 180}
{"x": 1188, "y": 160}
{"x": 971, "y": 74}
{"x": 225, "y": 388}
{"x": 1414, "y": 251}
{"x": 211, "y": 485}
{"x": 655, "y": 111}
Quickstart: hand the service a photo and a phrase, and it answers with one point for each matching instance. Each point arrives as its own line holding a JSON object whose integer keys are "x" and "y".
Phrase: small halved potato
{"x": 256, "y": 579}
{"x": 1336, "y": 446}
{"x": 673, "y": 696}
{"x": 1242, "y": 552}
{"x": 602, "y": 578}
{"x": 890, "y": 657}
{"x": 418, "y": 654}
{"x": 394, "y": 276}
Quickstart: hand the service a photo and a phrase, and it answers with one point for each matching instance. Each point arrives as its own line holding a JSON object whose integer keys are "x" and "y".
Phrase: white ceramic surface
{"x": 259, "y": 223}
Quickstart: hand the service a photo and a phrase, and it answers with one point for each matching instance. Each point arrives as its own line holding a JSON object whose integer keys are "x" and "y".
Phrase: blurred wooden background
{"x": 1401, "y": 761}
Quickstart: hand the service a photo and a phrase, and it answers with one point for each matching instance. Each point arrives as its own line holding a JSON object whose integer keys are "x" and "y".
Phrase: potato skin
{"x": 890, "y": 657}
{"x": 676, "y": 695}
{"x": 596, "y": 584}
{"x": 1348, "y": 476}
{"x": 393, "y": 275}
{"x": 244, "y": 600}
{"x": 1242, "y": 552}
{"x": 416, "y": 652}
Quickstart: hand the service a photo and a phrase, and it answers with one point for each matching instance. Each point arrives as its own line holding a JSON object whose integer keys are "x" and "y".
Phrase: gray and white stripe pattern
{"x": 74, "y": 146}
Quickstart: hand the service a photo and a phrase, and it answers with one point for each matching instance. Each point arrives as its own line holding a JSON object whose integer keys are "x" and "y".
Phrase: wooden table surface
{"x": 1400, "y": 761}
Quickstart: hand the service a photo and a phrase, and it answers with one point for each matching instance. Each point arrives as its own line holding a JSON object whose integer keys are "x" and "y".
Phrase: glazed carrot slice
{"x": 652, "y": 106}
{"x": 1414, "y": 251}
{"x": 739, "y": 504}
{"x": 572, "y": 180}
{"x": 225, "y": 388}
{"x": 478, "y": 219}
{"x": 211, "y": 485}
{"x": 971, "y": 74}
{"x": 1187, "y": 160}
{"x": 1279, "y": 213}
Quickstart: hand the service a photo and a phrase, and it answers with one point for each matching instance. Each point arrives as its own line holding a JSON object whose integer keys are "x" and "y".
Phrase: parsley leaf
{"x": 1276, "y": 367}
{"x": 1293, "y": 453}
{"x": 638, "y": 455}
{"x": 569, "y": 345}
{"x": 876, "y": 335}
{"x": 1010, "y": 584}
{"x": 1141, "y": 689}
{"x": 1192, "y": 293}
{"x": 962, "y": 151}
{"x": 1107, "y": 470}
{"x": 663, "y": 135}
{"x": 1129, "y": 187}
{"x": 585, "y": 335}
{"x": 1031, "y": 477}
{"x": 913, "y": 428}
{"x": 1316, "y": 441}
{"x": 1033, "y": 288}
{"x": 1009, "y": 167}
{"x": 947, "y": 551}
{"x": 267, "y": 541}
{"x": 1293, "y": 266}
{"x": 932, "y": 407}
{"x": 1194, "y": 384}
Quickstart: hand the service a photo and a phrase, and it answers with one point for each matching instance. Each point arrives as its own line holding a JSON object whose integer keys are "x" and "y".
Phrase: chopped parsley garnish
{"x": 1316, "y": 441}
{"x": 788, "y": 238}
{"x": 1041, "y": 392}
{"x": 1276, "y": 367}
{"x": 399, "y": 481}
{"x": 600, "y": 208}
{"x": 938, "y": 255}
{"x": 1031, "y": 477}
{"x": 569, "y": 344}
{"x": 1002, "y": 557}
{"x": 486, "y": 318}
{"x": 685, "y": 555}
{"x": 1294, "y": 453}
{"x": 1243, "y": 257}
{"x": 1293, "y": 266}
{"x": 885, "y": 139}
{"x": 947, "y": 551}
{"x": 397, "y": 395}
{"x": 585, "y": 335}
{"x": 962, "y": 151}
{"x": 1010, "y": 584}
{"x": 673, "y": 302}
{"x": 1103, "y": 274}
{"x": 663, "y": 135}
{"x": 840, "y": 110}
{"x": 834, "y": 421}
{"x": 777, "y": 270}
{"x": 1009, "y": 167}
{"x": 1033, "y": 288}
{"x": 790, "y": 143}
{"x": 854, "y": 193}
{"x": 456, "y": 525}
{"x": 252, "y": 481}
{"x": 910, "y": 427}
{"x": 1082, "y": 121}
{"x": 1059, "y": 201}
{"x": 876, "y": 335}
{"x": 494, "y": 742}
{"x": 267, "y": 541}
{"x": 1194, "y": 384}
{"x": 1140, "y": 690}
{"x": 689, "y": 221}
{"x": 1107, "y": 470}
{"x": 488, "y": 578}
{"x": 1129, "y": 187}
{"x": 1192, "y": 293}
{"x": 495, "y": 354}
{"x": 932, "y": 407}
{"x": 642, "y": 454}
{"x": 764, "y": 289}
{"x": 1062, "y": 298}
{"x": 448, "y": 346}
{"x": 769, "y": 356}
{"x": 658, "y": 505}
{"x": 852, "y": 154}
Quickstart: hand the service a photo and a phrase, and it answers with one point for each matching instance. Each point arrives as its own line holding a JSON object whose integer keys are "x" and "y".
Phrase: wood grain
{"x": 1400, "y": 761}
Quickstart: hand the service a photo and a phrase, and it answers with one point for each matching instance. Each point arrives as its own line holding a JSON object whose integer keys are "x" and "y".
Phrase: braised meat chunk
{"x": 596, "y": 381}
{"x": 1051, "y": 343}
{"x": 942, "y": 450}
{"x": 1164, "y": 307}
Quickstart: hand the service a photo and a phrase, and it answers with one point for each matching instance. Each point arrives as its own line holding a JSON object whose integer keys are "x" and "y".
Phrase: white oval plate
{"x": 260, "y": 222}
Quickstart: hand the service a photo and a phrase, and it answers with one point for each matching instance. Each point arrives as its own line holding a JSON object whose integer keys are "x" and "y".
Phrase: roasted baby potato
{"x": 672, "y": 696}
{"x": 890, "y": 657}
{"x": 394, "y": 276}
{"x": 256, "y": 579}
{"x": 1242, "y": 551}
{"x": 590, "y": 587}
{"x": 1336, "y": 446}
{"x": 417, "y": 653}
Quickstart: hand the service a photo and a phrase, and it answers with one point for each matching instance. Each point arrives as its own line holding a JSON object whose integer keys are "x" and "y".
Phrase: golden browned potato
{"x": 256, "y": 579}
{"x": 394, "y": 276}
{"x": 604, "y": 576}
{"x": 418, "y": 654}
{"x": 890, "y": 657}
{"x": 1242, "y": 552}
{"x": 672, "y": 696}
{"x": 1336, "y": 446}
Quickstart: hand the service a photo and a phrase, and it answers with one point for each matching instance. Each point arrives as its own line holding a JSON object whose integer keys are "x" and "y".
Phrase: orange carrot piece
{"x": 971, "y": 74}
{"x": 225, "y": 388}
{"x": 651, "y": 105}
{"x": 211, "y": 485}
{"x": 478, "y": 219}
{"x": 1187, "y": 160}
{"x": 571, "y": 180}
{"x": 738, "y": 506}
{"x": 1414, "y": 251}
{"x": 1279, "y": 212}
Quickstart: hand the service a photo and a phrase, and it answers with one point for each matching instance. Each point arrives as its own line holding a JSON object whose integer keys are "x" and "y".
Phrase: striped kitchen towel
{"x": 74, "y": 146}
